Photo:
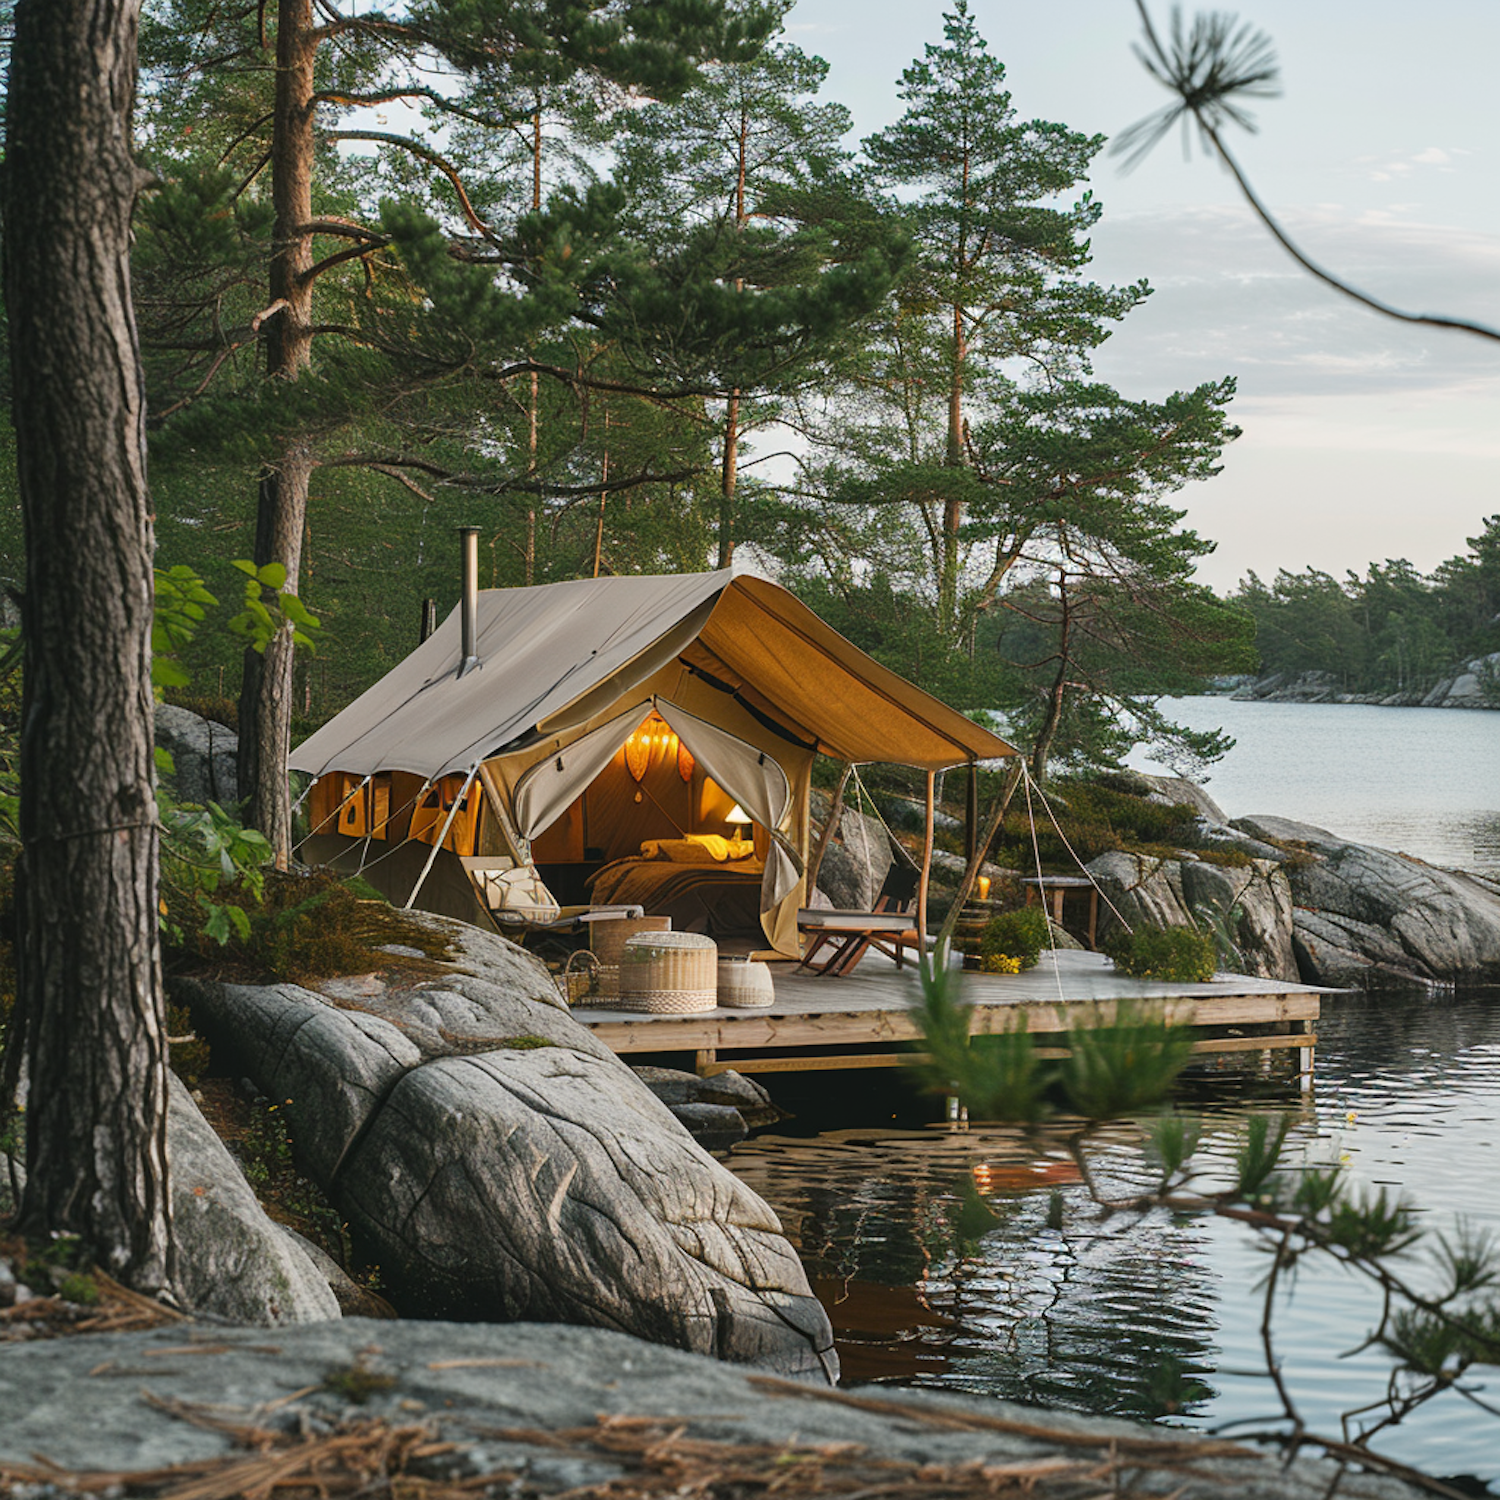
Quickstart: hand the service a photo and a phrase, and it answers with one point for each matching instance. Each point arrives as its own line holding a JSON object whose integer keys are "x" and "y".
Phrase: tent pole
{"x": 458, "y": 802}
{"x": 971, "y": 813}
{"x": 926, "y": 875}
{"x": 830, "y": 827}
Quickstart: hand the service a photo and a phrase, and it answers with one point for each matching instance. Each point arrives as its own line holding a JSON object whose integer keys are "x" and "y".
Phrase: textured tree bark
{"x": 89, "y": 982}
{"x": 1057, "y": 693}
{"x": 266, "y": 686}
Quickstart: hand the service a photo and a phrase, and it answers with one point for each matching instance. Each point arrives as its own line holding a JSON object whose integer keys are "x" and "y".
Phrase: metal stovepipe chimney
{"x": 468, "y": 611}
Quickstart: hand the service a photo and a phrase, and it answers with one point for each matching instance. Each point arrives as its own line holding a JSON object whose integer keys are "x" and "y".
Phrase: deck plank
{"x": 873, "y": 1006}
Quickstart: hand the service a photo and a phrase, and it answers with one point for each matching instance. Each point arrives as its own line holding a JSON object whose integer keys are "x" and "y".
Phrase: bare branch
{"x": 427, "y": 154}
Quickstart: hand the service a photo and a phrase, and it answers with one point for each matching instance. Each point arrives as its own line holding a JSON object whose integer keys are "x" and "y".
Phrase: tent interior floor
{"x": 865, "y": 1019}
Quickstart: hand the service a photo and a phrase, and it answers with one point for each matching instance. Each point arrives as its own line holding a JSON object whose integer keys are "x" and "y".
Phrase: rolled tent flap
{"x": 755, "y": 781}
{"x": 550, "y": 787}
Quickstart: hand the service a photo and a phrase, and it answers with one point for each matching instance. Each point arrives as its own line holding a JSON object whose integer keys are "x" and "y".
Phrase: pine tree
{"x": 370, "y": 347}
{"x": 90, "y": 1010}
{"x": 974, "y": 468}
{"x": 997, "y": 280}
{"x": 742, "y": 159}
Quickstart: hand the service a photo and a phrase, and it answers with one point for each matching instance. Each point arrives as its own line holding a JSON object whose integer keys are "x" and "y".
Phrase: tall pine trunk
{"x": 266, "y": 687}
{"x": 89, "y": 971}
{"x": 729, "y": 468}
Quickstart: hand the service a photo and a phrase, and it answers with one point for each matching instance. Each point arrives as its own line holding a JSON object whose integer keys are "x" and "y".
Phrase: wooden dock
{"x": 864, "y": 1020}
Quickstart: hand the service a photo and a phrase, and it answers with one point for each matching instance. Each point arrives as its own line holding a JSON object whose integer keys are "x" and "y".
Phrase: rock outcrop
{"x": 232, "y": 1260}
{"x": 501, "y": 1164}
{"x": 1369, "y": 917}
{"x": 204, "y": 756}
{"x": 1248, "y": 907}
{"x": 680, "y": 1090}
{"x": 856, "y": 861}
{"x": 1474, "y": 684}
{"x": 513, "y": 1411}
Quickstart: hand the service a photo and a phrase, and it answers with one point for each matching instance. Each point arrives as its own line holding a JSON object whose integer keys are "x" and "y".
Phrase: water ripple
{"x": 1160, "y": 1315}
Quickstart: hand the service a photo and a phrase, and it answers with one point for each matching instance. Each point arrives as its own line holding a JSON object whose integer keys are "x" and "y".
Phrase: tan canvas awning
{"x": 557, "y": 655}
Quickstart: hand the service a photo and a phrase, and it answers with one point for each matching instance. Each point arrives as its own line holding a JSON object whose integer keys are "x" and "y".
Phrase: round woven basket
{"x": 669, "y": 973}
{"x": 744, "y": 984}
{"x": 609, "y": 939}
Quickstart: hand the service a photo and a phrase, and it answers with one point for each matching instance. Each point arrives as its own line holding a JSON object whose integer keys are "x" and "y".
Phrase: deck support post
{"x": 704, "y": 1060}
{"x": 1305, "y": 1056}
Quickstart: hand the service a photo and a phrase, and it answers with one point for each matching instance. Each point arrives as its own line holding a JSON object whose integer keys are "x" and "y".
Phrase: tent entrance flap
{"x": 749, "y": 775}
{"x": 755, "y": 780}
{"x": 551, "y": 786}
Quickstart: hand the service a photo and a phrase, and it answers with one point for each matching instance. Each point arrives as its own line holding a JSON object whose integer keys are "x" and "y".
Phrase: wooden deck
{"x": 864, "y": 1020}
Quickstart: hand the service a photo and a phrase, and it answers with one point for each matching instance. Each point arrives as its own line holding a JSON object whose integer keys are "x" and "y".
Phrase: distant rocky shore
{"x": 1473, "y": 684}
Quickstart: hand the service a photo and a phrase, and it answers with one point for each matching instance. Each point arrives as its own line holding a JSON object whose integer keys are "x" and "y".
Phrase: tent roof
{"x": 553, "y": 656}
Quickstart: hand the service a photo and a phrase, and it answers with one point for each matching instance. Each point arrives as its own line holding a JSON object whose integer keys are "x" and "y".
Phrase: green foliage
{"x": 1018, "y": 934}
{"x": 264, "y": 1146}
{"x": 1171, "y": 1139}
{"x": 1259, "y": 1153}
{"x": 268, "y": 610}
{"x": 1393, "y": 631}
{"x": 357, "y": 1382}
{"x": 1093, "y": 818}
{"x": 205, "y": 849}
{"x": 1115, "y": 1065}
{"x": 1178, "y": 954}
{"x": 79, "y": 1287}
{"x": 997, "y": 1075}
{"x": 1371, "y": 1227}
{"x": 1125, "y": 1064}
{"x": 182, "y": 603}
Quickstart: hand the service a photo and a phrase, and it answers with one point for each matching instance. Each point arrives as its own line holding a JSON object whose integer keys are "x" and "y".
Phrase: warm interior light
{"x": 984, "y": 887}
{"x": 737, "y": 814}
{"x": 638, "y": 754}
{"x": 684, "y": 761}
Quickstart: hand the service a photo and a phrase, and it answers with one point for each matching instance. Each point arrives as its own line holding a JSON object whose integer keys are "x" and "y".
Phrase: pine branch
{"x": 1209, "y": 71}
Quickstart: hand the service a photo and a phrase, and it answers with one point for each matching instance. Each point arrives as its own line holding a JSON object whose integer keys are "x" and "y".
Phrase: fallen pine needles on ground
{"x": 371, "y": 1457}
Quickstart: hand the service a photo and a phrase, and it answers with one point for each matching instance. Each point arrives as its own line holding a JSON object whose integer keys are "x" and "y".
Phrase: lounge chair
{"x": 837, "y": 940}
{"x": 521, "y": 904}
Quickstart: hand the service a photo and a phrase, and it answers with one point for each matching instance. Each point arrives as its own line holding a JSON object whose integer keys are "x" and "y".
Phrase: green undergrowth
{"x": 1178, "y": 954}
{"x": 308, "y": 925}
{"x": 258, "y": 1135}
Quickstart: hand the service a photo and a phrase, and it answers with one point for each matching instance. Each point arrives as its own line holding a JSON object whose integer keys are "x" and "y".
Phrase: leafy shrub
{"x": 1180, "y": 954}
{"x": 1018, "y": 934}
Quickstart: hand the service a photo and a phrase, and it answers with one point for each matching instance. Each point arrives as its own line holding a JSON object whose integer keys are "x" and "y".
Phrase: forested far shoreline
{"x": 1393, "y": 631}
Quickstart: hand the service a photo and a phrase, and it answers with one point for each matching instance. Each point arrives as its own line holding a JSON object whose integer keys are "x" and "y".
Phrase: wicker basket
{"x": 579, "y": 979}
{"x": 609, "y": 939}
{"x": 669, "y": 973}
{"x": 744, "y": 984}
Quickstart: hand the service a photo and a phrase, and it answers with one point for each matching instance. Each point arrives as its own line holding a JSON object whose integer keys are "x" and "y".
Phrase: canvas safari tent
{"x": 601, "y": 732}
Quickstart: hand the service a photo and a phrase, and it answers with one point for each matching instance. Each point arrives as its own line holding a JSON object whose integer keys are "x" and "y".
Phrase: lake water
{"x": 1425, "y": 781}
{"x": 1160, "y": 1317}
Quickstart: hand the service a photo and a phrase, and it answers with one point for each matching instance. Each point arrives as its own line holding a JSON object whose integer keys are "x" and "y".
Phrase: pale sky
{"x": 1363, "y": 439}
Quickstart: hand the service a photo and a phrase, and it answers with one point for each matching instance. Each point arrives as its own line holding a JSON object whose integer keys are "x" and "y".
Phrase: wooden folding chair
{"x": 841, "y": 938}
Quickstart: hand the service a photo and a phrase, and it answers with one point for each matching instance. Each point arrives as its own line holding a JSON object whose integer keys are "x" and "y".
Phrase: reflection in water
{"x": 968, "y": 1260}
{"x": 975, "y": 1261}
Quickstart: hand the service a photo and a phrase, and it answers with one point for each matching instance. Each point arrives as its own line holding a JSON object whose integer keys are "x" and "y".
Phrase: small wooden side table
{"x": 1038, "y": 888}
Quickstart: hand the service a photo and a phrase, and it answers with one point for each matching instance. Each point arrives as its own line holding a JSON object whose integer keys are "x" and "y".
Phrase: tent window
{"x": 431, "y": 812}
{"x": 351, "y": 806}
